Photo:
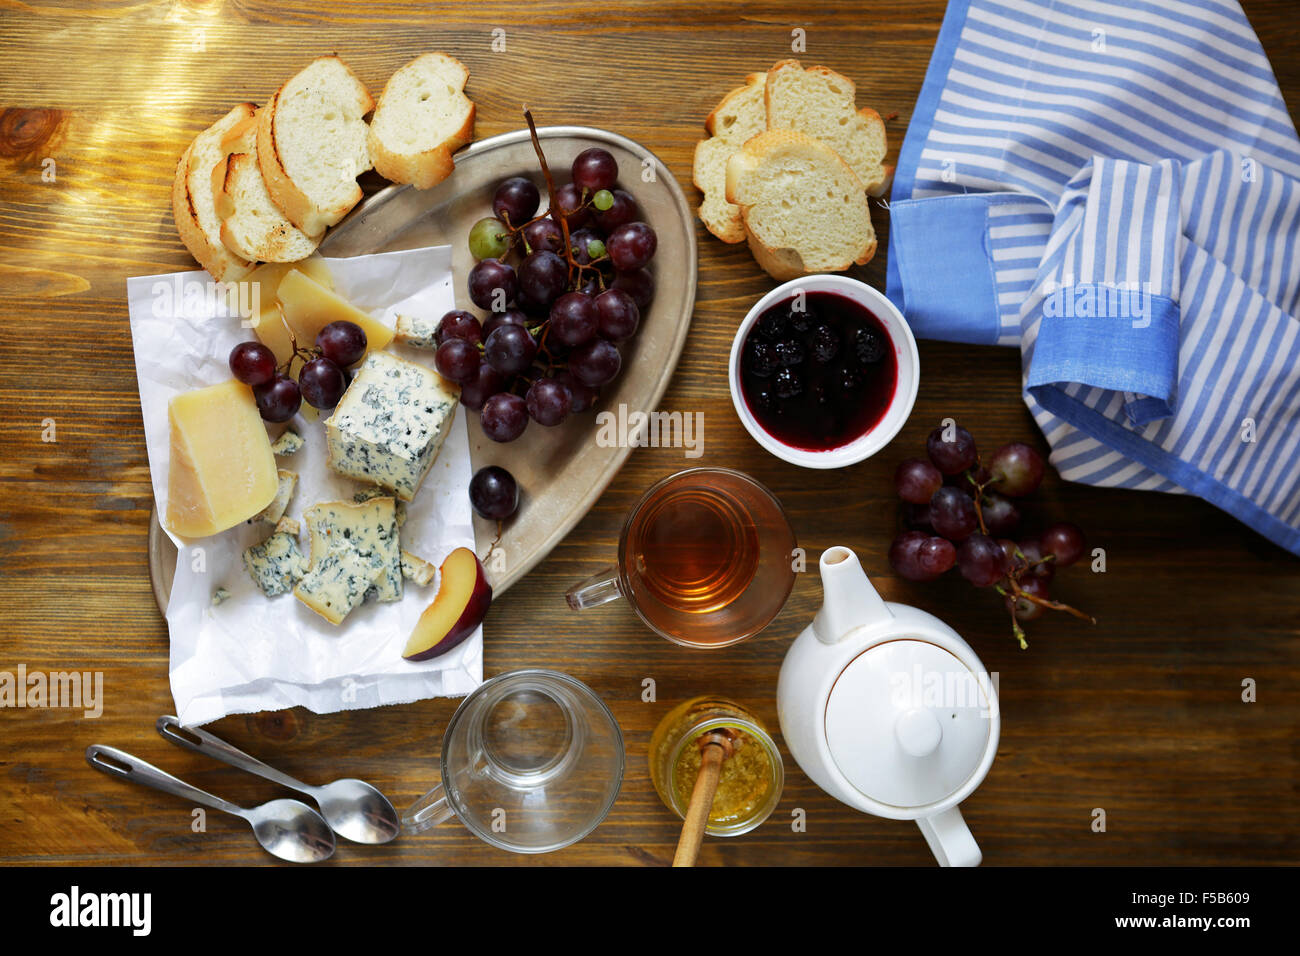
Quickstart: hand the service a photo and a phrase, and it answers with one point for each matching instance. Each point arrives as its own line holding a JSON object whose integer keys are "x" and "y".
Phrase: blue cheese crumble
{"x": 277, "y": 564}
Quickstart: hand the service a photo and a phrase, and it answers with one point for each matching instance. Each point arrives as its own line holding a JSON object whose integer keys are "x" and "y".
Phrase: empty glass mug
{"x": 532, "y": 761}
{"x": 706, "y": 559}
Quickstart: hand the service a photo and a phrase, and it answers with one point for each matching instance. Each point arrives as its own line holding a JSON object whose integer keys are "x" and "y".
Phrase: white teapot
{"x": 888, "y": 710}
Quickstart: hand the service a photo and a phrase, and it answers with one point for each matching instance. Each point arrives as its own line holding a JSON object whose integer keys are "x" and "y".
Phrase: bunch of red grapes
{"x": 321, "y": 380}
{"x": 960, "y": 511}
{"x": 563, "y": 290}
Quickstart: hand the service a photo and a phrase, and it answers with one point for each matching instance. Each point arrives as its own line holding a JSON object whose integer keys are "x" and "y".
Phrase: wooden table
{"x": 1140, "y": 715}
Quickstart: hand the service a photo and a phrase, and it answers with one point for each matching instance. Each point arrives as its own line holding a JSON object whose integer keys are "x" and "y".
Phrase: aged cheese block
{"x": 391, "y": 423}
{"x": 222, "y": 471}
{"x": 309, "y": 307}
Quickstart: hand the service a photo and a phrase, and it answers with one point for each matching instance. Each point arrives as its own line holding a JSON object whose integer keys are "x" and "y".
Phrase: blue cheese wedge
{"x": 336, "y": 584}
{"x": 391, "y": 423}
{"x": 289, "y": 443}
{"x": 369, "y": 529}
{"x": 280, "y": 503}
{"x": 417, "y": 569}
{"x": 277, "y": 564}
{"x": 419, "y": 332}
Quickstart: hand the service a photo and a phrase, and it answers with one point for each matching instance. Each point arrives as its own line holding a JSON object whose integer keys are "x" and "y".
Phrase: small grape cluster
{"x": 321, "y": 381}
{"x": 961, "y": 512}
{"x": 564, "y": 290}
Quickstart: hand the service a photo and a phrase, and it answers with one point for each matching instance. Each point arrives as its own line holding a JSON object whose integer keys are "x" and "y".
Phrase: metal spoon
{"x": 288, "y": 829}
{"x": 353, "y": 808}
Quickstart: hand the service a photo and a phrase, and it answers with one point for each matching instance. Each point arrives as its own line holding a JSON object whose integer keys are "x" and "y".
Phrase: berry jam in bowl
{"x": 824, "y": 371}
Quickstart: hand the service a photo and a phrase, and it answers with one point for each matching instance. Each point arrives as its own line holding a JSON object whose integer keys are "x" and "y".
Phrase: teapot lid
{"x": 908, "y": 722}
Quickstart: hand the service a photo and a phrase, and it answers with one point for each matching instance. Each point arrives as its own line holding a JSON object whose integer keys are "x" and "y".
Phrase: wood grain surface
{"x": 1140, "y": 715}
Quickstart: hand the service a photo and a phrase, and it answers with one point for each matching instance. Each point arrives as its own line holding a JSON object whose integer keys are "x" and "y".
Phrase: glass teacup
{"x": 706, "y": 559}
{"x": 532, "y": 761}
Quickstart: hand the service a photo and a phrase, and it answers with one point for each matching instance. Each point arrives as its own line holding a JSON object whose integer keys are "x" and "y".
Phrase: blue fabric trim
{"x": 1114, "y": 352}
{"x": 1136, "y": 448}
{"x": 945, "y": 264}
{"x": 1144, "y": 411}
{"x": 918, "y": 131}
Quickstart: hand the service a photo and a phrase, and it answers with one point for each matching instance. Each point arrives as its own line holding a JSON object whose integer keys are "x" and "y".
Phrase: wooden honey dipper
{"x": 715, "y": 747}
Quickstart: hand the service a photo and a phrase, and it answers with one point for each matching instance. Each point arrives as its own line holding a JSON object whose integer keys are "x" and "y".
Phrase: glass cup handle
{"x": 430, "y": 810}
{"x": 601, "y": 588}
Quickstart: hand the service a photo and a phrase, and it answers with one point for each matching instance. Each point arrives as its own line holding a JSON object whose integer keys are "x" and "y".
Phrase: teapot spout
{"x": 848, "y": 599}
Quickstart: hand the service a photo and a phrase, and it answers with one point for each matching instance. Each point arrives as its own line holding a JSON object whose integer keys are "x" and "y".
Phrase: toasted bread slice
{"x": 194, "y": 202}
{"x": 311, "y": 144}
{"x": 251, "y": 225}
{"x": 422, "y": 118}
{"x": 740, "y": 115}
{"x": 231, "y": 142}
{"x": 805, "y": 210}
{"x": 822, "y": 103}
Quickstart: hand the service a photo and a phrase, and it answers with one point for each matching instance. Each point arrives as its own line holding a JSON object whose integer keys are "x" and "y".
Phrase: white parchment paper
{"x": 253, "y": 653}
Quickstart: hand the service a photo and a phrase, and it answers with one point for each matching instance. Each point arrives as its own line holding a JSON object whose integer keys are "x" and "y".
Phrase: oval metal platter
{"x": 562, "y": 470}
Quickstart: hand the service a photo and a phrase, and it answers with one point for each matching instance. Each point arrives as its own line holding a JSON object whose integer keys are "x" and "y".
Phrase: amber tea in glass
{"x": 706, "y": 558}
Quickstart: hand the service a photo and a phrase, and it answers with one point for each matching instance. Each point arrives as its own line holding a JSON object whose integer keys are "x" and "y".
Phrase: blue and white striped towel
{"x": 1115, "y": 188}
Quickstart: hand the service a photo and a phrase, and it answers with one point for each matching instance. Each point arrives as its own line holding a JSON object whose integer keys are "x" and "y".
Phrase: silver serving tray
{"x": 561, "y": 470}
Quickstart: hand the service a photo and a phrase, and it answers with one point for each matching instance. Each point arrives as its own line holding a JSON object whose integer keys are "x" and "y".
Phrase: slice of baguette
{"x": 311, "y": 144}
{"x": 194, "y": 202}
{"x": 805, "y": 210}
{"x": 822, "y": 103}
{"x": 740, "y": 115}
{"x": 422, "y": 118}
{"x": 251, "y": 225}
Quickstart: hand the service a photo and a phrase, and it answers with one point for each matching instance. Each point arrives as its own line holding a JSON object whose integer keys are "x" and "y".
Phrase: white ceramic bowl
{"x": 905, "y": 355}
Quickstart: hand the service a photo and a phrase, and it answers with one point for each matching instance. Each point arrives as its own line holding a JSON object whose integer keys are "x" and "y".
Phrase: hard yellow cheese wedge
{"x": 309, "y": 307}
{"x": 222, "y": 470}
{"x": 269, "y": 328}
{"x": 269, "y": 275}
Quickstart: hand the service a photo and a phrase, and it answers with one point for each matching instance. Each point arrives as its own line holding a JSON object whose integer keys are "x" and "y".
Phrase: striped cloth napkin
{"x": 1115, "y": 188}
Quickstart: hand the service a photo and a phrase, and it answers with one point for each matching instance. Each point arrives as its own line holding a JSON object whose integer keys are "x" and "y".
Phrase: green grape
{"x": 595, "y": 248}
{"x": 603, "y": 199}
{"x": 489, "y": 239}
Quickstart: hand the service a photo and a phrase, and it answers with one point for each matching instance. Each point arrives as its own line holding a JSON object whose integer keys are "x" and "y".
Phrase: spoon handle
{"x": 202, "y": 742}
{"x": 119, "y": 763}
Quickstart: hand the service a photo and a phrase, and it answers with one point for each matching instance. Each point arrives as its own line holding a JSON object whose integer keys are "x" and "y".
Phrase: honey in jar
{"x": 750, "y": 781}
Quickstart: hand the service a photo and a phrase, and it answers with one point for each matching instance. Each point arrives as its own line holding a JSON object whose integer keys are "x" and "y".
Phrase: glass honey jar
{"x": 750, "y": 782}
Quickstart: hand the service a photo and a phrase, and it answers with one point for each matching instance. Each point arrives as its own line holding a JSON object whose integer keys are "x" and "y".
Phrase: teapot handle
{"x": 950, "y": 839}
